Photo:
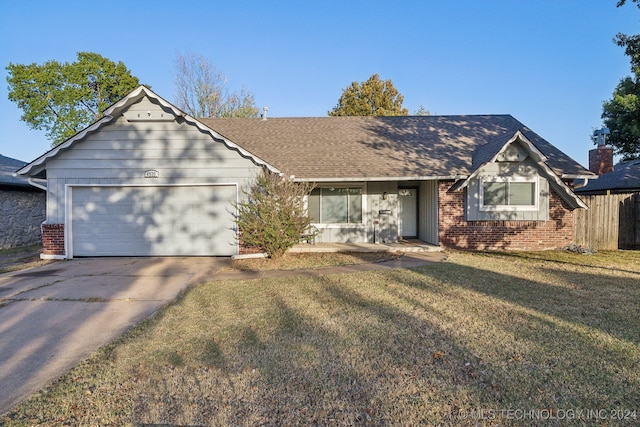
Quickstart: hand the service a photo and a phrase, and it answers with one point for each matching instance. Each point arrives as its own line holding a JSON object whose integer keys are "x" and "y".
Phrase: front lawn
{"x": 481, "y": 339}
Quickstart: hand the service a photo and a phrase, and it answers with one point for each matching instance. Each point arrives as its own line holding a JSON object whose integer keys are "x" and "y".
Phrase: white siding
{"x": 384, "y": 212}
{"x": 527, "y": 170}
{"x": 429, "y": 212}
{"x": 120, "y": 153}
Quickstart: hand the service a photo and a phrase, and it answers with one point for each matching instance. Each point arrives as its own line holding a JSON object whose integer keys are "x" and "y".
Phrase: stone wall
{"x": 21, "y": 214}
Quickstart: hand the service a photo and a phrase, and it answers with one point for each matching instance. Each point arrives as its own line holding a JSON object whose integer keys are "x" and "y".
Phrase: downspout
{"x": 37, "y": 185}
{"x": 32, "y": 182}
{"x": 584, "y": 183}
{"x": 44, "y": 188}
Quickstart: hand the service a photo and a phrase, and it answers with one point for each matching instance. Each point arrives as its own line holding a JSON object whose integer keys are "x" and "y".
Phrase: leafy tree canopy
{"x": 64, "y": 98}
{"x": 373, "y": 97}
{"x": 201, "y": 90}
{"x": 621, "y": 114}
{"x": 631, "y": 44}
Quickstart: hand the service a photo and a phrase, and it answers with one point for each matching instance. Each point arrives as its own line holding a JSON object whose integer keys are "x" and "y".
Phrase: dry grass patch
{"x": 437, "y": 345}
{"x": 21, "y": 258}
{"x": 292, "y": 261}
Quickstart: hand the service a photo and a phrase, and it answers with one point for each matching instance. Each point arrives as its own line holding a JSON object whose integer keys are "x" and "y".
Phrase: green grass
{"x": 455, "y": 343}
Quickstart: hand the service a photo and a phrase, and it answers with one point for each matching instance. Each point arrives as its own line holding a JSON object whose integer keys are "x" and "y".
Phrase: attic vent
{"x": 264, "y": 113}
{"x": 513, "y": 153}
{"x": 149, "y": 116}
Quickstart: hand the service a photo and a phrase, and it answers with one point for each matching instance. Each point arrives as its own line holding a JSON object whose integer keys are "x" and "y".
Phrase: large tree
{"x": 373, "y": 97}
{"x": 621, "y": 113}
{"x": 64, "y": 98}
{"x": 201, "y": 90}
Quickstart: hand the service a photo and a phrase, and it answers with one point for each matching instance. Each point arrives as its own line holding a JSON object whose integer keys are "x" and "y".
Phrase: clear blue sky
{"x": 549, "y": 63}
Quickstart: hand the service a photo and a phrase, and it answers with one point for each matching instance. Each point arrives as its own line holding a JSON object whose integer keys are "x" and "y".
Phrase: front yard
{"x": 547, "y": 338}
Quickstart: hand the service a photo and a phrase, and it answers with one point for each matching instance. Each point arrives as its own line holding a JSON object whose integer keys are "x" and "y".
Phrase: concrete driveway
{"x": 55, "y": 316}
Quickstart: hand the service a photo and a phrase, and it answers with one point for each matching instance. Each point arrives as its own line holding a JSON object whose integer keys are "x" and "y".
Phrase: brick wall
{"x": 53, "y": 239}
{"x": 456, "y": 233}
{"x": 601, "y": 160}
{"x": 244, "y": 249}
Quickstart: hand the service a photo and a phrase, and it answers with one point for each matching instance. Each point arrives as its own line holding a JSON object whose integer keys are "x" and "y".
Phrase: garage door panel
{"x": 147, "y": 221}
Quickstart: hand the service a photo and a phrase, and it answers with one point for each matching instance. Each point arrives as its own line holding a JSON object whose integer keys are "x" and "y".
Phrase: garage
{"x": 169, "y": 220}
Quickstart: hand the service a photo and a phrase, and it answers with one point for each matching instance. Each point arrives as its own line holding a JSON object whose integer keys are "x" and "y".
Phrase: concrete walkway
{"x": 55, "y": 316}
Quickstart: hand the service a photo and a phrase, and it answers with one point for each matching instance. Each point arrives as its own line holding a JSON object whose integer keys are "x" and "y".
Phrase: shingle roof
{"x": 382, "y": 147}
{"x": 624, "y": 178}
{"x": 8, "y": 167}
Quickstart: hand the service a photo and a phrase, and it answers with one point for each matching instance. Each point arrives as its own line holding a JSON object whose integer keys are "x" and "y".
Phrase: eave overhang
{"x": 116, "y": 110}
{"x": 382, "y": 178}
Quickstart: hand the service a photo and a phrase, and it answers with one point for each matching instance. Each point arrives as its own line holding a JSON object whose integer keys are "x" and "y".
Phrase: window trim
{"x": 508, "y": 180}
{"x": 340, "y": 224}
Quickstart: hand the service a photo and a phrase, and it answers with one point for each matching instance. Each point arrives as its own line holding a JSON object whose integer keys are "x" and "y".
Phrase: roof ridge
{"x": 360, "y": 117}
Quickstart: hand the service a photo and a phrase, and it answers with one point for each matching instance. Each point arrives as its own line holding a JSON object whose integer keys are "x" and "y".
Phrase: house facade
{"x": 22, "y": 207}
{"x": 147, "y": 179}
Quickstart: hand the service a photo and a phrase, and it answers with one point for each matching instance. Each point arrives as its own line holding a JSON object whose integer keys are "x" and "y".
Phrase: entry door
{"x": 408, "y": 212}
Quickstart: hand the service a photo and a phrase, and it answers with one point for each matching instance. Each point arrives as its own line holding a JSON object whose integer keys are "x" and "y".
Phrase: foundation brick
{"x": 53, "y": 239}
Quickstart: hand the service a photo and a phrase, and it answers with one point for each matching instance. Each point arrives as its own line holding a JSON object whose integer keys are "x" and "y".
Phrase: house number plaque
{"x": 152, "y": 174}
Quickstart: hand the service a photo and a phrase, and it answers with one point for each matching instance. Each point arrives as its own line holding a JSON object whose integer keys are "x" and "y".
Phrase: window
{"x": 513, "y": 194}
{"x": 335, "y": 205}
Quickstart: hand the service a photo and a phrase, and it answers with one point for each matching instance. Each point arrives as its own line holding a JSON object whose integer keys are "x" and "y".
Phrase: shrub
{"x": 272, "y": 216}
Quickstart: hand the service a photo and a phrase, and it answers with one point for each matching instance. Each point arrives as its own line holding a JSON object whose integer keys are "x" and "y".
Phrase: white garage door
{"x": 153, "y": 221}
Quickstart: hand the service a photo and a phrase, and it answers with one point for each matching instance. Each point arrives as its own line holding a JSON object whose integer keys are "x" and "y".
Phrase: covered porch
{"x": 379, "y": 213}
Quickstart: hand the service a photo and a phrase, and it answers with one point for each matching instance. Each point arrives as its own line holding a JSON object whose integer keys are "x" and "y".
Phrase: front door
{"x": 408, "y": 213}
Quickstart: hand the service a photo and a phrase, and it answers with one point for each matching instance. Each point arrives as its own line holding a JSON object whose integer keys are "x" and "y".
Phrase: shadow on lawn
{"x": 383, "y": 367}
{"x": 545, "y": 257}
{"x": 592, "y": 329}
{"x": 601, "y": 301}
{"x": 417, "y": 345}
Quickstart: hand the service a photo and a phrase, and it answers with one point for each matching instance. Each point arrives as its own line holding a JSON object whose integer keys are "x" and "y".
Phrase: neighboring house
{"x": 624, "y": 178}
{"x": 22, "y": 207}
{"x": 147, "y": 179}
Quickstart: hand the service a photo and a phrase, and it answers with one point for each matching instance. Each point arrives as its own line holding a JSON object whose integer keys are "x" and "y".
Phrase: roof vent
{"x": 264, "y": 113}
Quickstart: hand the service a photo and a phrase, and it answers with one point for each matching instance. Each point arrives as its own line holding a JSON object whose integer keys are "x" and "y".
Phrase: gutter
{"x": 33, "y": 183}
{"x": 384, "y": 178}
{"x": 578, "y": 176}
{"x": 36, "y": 184}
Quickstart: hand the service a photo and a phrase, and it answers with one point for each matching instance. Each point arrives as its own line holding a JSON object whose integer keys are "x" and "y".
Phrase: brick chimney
{"x": 601, "y": 158}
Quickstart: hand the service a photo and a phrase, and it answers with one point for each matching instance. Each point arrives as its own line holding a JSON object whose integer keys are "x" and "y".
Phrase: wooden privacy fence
{"x": 611, "y": 222}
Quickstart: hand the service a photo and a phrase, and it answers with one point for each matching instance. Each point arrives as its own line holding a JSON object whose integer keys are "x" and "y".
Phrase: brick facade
{"x": 244, "y": 249}
{"x": 457, "y": 233}
{"x": 601, "y": 160}
{"x": 53, "y": 239}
